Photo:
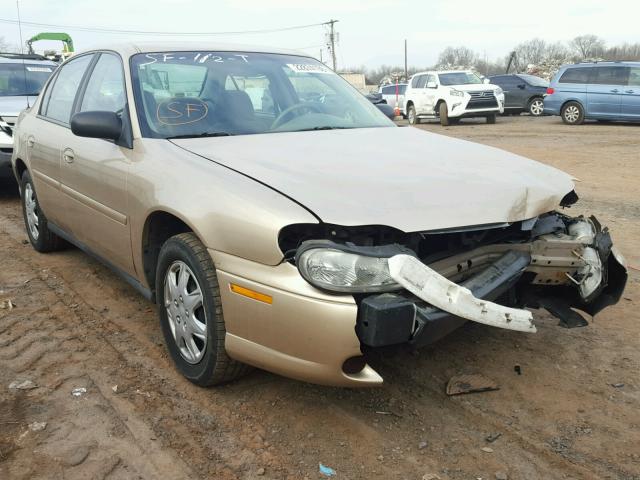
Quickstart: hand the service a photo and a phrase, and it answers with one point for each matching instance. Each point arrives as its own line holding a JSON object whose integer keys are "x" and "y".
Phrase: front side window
{"x": 21, "y": 79}
{"x": 188, "y": 94}
{"x": 610, "y": 75}
{"x": 64, "y": 89}
{"x": 422, "y": 81}
{"x": 459, "y": 78}
{"x": 576, "y": 75}
{"x": 634, "y": 76}
{"x": 105, "y": 88}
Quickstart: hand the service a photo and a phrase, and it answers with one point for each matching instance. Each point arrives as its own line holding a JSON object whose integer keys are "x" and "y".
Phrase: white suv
{"x": 451, "y": 95}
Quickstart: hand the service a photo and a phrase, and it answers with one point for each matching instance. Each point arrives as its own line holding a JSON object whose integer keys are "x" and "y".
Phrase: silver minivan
{"x": 394, "y": 95}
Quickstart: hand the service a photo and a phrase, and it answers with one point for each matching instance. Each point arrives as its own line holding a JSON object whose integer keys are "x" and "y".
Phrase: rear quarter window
{"x": 575, "y": 75}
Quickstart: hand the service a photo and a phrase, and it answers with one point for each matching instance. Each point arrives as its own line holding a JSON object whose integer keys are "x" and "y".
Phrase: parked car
{"x": 382, "y": 105}
{"x": 604, "y": 91}
{"x": 21, "y": 78}
{"x": 450, "y": 96}
{"x": 298, "y": 237}
{"x": 522, "y": 93}
{"x": 394, "y": 95}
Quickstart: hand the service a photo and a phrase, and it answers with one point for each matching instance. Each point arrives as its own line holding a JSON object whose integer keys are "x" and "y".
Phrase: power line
{"x": 146, "y": 32}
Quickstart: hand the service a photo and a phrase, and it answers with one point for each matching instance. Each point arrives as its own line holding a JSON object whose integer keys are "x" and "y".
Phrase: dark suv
{"x": 522, "y": 93}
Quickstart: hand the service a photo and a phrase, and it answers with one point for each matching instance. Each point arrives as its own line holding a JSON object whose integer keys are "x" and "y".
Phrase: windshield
{"x": 184, "y": 94}
{"x": 534, "y": 81}
{"x": 23, "y": 78}
{"x": 459, "y": 78}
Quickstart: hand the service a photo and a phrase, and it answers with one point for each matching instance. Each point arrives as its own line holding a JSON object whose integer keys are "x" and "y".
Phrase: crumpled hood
{"x": 400, "y": 177}
{"x": 11, "y": 106}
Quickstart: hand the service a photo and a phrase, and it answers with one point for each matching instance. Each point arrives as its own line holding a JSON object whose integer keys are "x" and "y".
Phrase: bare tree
{"x": 452, "y": 57}
{"x": 587, "y": 46}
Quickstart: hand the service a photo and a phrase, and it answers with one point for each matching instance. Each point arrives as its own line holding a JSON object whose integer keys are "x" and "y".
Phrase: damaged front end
{"x": 417, "y": 287}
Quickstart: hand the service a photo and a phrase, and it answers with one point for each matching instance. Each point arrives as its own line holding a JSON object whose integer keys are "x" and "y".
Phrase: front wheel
{"x": 443, "y": 112}
{"x": 491, "y": 119}
{"x": 536, "y": 107}
{"x": 572, "y": 113}
{"x": 190, "y": 311}
{"x": 412, "y": 116}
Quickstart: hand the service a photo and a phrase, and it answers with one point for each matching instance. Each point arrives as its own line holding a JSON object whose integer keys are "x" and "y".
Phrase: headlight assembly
{"x": 457, "y": 93}
{"x": 346, "y": 268}
{"x": 497, "y": 91}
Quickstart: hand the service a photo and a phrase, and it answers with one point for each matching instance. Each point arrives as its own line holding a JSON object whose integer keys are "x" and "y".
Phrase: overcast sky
{"x": 371, "y": 32}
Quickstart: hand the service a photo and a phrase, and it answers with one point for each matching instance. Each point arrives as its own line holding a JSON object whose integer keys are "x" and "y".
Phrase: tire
{"x": 572, "y": 113}
{"x": 197, "y": 346}
{"x": 42, "y": 239}
{"x": 412, "y": 116}
{"x": 536, "y": 107}
{"x": 443, "y": 113}
{"x": 491, "y": 119}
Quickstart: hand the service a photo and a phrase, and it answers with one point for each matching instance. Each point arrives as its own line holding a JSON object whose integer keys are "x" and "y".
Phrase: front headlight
{"x": 497, "y": 91}
{"x": 342, "y": 268}
{"x": 457, "y": 93}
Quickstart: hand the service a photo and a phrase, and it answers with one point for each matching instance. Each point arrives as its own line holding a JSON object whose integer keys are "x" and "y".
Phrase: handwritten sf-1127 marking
{"x": 200, "y": 57}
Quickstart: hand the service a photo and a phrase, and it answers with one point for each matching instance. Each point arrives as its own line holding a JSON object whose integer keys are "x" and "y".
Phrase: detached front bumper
{"x": 557, "y": 271}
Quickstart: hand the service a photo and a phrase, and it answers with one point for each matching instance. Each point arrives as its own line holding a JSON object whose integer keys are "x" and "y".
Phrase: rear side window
{"x": 414, "y": 81}
{"x": 64, "y": 89}
{"x": 634, "y": 76}
{"x": 388, "y": 90}
{"x": 401, "y": 89}
{"x": 610, "y": 75}
{"x": 576, "y": 75}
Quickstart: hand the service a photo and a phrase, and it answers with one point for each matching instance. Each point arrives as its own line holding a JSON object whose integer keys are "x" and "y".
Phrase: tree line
{"x": 535, "y": 56}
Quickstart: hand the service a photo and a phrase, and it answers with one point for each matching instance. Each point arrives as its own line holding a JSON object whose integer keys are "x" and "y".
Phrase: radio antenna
{"x": 24, "y": 67}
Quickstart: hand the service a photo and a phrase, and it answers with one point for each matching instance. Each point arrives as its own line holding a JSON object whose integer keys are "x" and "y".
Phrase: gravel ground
{"x": 572, "y": 413}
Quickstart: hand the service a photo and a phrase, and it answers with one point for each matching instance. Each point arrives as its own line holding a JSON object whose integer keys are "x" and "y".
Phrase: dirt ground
{"x": 573, "y": 413}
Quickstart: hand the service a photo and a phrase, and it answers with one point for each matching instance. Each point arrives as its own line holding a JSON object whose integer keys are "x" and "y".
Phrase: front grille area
{"x": 482, "y": 99}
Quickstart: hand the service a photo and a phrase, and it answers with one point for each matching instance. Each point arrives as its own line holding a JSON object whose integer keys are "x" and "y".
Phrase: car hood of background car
{"x": 400, "y": 177}
{"x": 11, "y": 106}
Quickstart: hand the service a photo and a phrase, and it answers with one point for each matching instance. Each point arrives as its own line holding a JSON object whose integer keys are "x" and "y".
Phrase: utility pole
{"x": 406, "y": 70}
{"x": 332, "y": 42}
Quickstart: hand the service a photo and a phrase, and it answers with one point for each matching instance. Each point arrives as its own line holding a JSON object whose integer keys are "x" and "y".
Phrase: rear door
{"x": 94, "y": 171}
{"x": 430, "y": 94}
{"x": 46, "y": 134}
{"x": 605, "y": 90}
{"x": 512, "y": 94}
{"x": 630, "y": 101}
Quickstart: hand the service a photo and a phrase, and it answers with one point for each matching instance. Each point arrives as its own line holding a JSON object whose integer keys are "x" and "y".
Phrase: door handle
{"x": 67, "y": 155}
{"x": 628, "y": 91}
{"x": 31, "y": 141}
{"x": 615, "y": 90}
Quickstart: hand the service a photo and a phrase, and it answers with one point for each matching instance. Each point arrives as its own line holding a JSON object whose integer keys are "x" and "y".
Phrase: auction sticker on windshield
{"x": 308, "y": 68}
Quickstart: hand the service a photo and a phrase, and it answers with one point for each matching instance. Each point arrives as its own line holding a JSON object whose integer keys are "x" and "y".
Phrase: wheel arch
{"x": 159, "y": 226}
{"x": 576, "y": 100}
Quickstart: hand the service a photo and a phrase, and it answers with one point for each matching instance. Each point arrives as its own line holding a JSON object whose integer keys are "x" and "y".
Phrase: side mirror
{"x": 97, "y": 125}
{"x": 432, "y": 85}
{"x": 387, "y": 109}
{"x": 486, "y": 80}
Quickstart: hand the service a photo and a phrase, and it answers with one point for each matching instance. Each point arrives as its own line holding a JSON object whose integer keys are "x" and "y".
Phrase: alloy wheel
{"x": 537, "y": 107}
{"x": 31, "y": 207}
{"x": 184, "y": 303}
{"x": 571, "y": 114}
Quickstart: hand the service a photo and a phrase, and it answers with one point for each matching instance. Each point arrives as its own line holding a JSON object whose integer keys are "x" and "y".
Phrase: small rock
{"x": 77, "y": 456}
{"x": 6, "y": 305}
{"x": 422, "y": 445}
{"x": 501, "y": 476}
{"x": 380, "y": 458}
{"x": 115, "y": 389}
{"x": 24, "y": 385}
{"x": 25, "y": 241}
{"x": 617, "y": 385}
{"x": 492, "y": 437}
{"x": 260, "y": 471}
{"x": 487, "y": 449}
{"x": 37, "y": 426}
{"x": 310, "y": 435}
{"x": 430, "y": 476}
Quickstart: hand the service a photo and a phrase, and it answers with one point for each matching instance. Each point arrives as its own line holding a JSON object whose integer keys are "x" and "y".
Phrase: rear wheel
{"x": 443, "y": 112}
{"x": 190, "y": 311}
{"x": 412, "y": 115}
{"x": 491, "y": 119}
{"x": 572, "y": 113}
{"x": 536, "y": 106}
{"x": 42, "y": 239}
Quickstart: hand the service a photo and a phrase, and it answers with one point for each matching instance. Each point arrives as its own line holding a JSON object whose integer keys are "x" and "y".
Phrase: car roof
{"x": 20, "y": 58}
{"x": 127, "y": 49}
{"x": 622, "y": 63}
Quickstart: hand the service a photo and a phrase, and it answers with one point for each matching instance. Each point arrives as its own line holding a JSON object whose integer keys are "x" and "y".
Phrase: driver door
{"x": 94, "y": 171}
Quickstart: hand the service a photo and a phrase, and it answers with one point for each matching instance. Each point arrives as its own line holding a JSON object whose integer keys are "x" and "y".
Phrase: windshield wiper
{"x": 324, "y": 127}
{"x": 203, "y": 134}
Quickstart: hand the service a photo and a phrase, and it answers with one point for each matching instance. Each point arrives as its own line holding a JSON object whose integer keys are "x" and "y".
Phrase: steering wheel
{"x": 279, "y": 119}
